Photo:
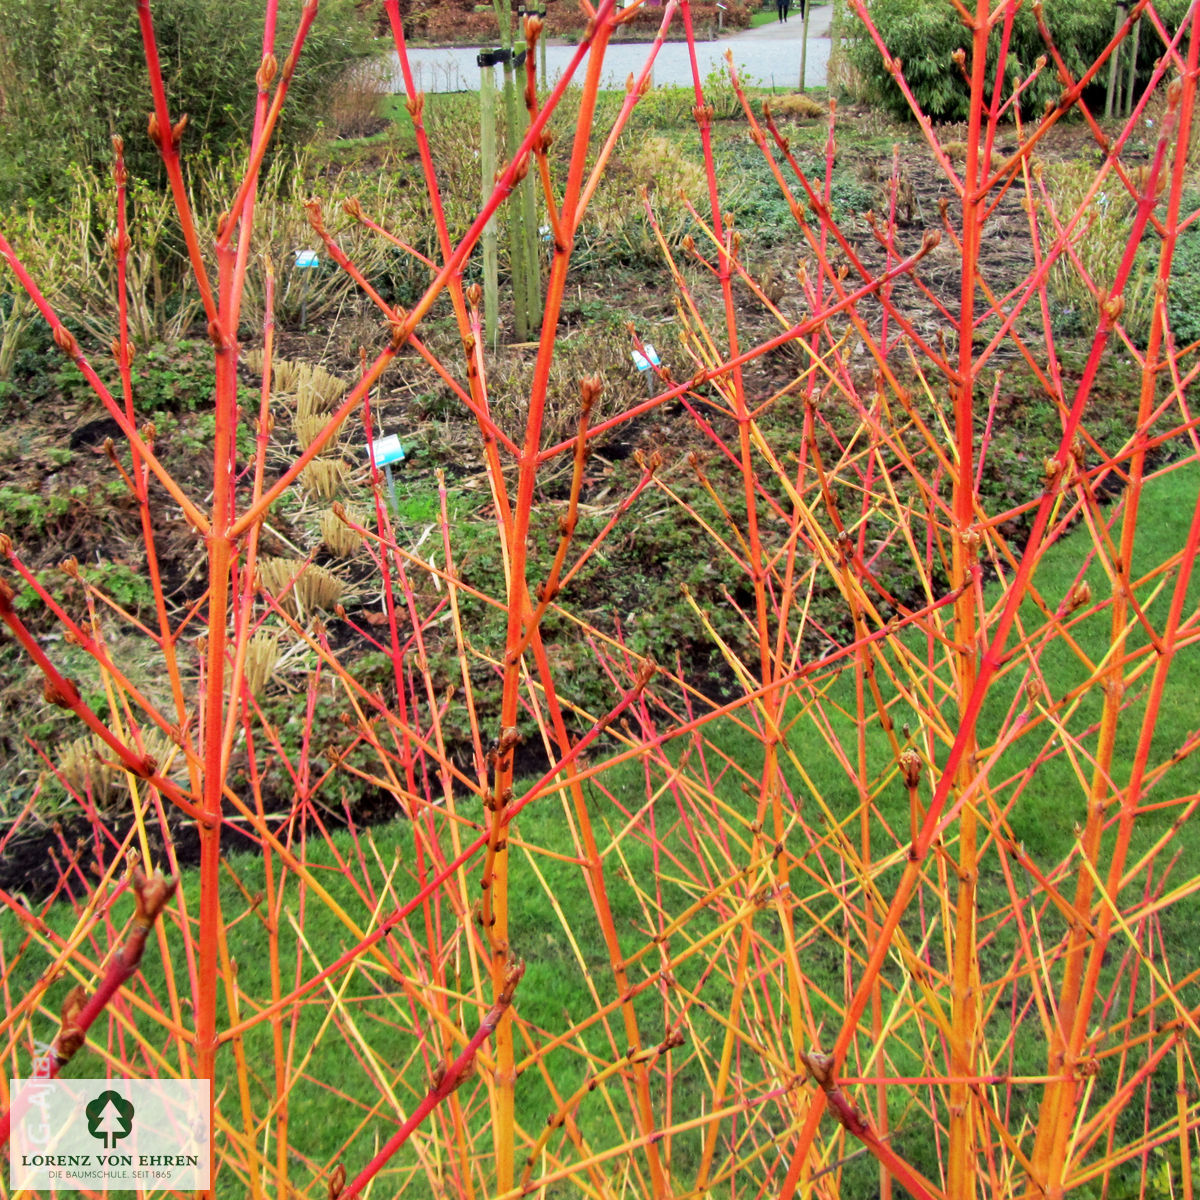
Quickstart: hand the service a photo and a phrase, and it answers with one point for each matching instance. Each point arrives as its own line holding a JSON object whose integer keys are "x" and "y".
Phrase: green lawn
{"x": 555, "y": 929}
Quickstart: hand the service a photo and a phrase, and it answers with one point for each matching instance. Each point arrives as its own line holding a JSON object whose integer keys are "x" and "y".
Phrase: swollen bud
{"x": 64, "y": 339}
{"x": 61, "y": 695}
{"x": 589, "y": 390}
{"x": 337, "y": 1182}
{"x": 266, "y": 72}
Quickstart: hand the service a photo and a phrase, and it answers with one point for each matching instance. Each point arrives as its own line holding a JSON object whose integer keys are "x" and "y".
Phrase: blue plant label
{"x": 644, "y": 362}
{"x": 387, "y": 450}
{"x": 307, "y": 260}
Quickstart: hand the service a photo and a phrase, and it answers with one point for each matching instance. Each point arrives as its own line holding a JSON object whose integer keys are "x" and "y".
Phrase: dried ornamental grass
{"x": 262, "y": 656}
{"x": 325, "y": 477}
{"x": 796, "y": 105}
{"x": 85, "y": 769}
{"x": 316, "y": 390}
{"x": 338, "y": 536}
{"x": 308, "y": 427}
{"x": 1080, "y": 279}
{"x": 314, "y": 387}
{"x": 298, "y": 586}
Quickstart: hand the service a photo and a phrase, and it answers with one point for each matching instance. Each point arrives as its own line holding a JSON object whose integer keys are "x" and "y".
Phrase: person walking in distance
{"x": 781, "y": 7}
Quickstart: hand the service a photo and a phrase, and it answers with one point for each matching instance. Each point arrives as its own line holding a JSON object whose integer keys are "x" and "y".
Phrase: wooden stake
{"x": 533, "y": 273}
{"x": 804, "y": 43}
{"x": 1113, "y": 66}
{"x": 516, "y": 234}
{"x": 487, "y": 172}
{"x": 1131, "y": 84}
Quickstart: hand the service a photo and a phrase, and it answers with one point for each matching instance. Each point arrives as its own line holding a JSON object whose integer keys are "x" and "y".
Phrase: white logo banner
{"x": 109, "y": 1134}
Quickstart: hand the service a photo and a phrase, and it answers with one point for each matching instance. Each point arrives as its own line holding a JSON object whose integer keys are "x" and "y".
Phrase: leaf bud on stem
{"x": 64, "y": 339}
{"x": 266, "y": 72}
{"x": 589, "y": 391}
{"x": 70, "y": 1037}
{"x": 337, "y": 1181}
{"x": 62, "y": 693}
{"x": 513, "y": 970}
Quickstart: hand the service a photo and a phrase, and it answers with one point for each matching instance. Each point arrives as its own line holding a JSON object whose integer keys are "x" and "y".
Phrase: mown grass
{"x": 552, "y": 917}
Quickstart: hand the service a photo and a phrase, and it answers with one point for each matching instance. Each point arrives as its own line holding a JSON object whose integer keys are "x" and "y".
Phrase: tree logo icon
{"x": 109, "y": 1118}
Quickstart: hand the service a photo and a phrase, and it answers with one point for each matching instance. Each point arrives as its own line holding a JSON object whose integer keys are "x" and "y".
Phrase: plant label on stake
{"x": 306, "y": 262}
{"x": 644, "y": 359}
{"x": 385, "y": 451}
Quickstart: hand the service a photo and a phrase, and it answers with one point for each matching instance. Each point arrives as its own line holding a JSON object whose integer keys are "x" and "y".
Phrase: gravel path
{"x": 768, "y": 55}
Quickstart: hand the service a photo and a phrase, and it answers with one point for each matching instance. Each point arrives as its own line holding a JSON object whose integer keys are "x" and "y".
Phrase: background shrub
{"x": 924, "y": 34}
{"x": 71, "y": 77}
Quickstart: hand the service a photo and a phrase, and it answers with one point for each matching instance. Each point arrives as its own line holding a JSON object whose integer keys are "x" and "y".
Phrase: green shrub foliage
{"x": 924, "y": 34}
{"x": 73, "y": 75}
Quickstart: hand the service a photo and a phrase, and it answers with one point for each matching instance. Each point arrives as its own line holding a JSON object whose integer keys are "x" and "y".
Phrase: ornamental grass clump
{"x": 339, "y": 535}
{"x": 879, "y": 877}
{"x": 325, "y": 477}
{"x": 262, "y": 656}
{"x": 83, "y": 769}
{"x": 300, "y": 587}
